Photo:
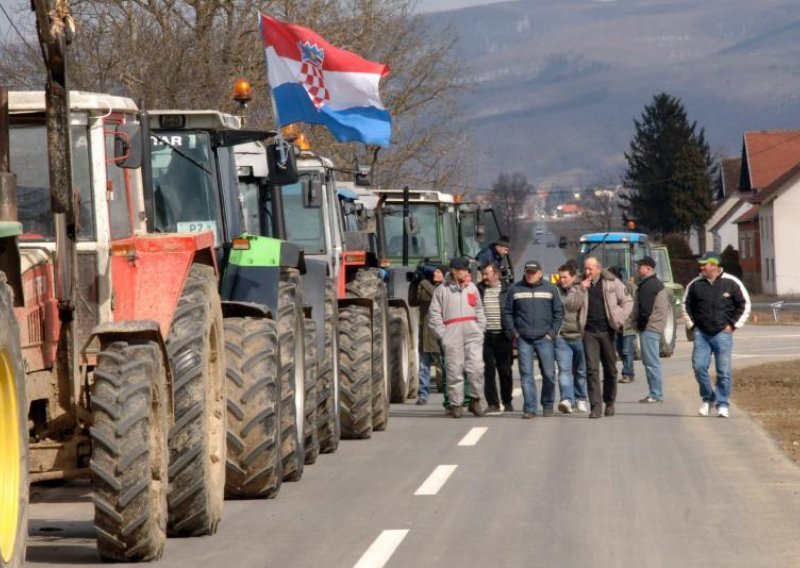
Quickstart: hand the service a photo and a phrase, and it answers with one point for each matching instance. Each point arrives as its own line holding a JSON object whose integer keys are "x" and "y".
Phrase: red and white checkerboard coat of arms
{"x": 311, "y": 74}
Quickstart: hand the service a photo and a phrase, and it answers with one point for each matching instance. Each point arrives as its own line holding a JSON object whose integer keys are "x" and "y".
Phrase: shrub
{"x": 678, "y": 246}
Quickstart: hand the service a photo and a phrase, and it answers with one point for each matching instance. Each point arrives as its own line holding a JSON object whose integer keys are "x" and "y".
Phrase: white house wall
{"x": 765, "y": 225}
{"x": 785, "y": 222}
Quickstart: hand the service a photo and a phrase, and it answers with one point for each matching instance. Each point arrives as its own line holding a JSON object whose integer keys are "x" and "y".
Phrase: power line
{"x": 16, "y": 29}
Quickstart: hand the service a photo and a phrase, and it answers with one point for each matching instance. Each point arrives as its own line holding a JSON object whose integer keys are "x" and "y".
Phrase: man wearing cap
{"x": 457, "y": 320}
{"x": 494, "y": 254}
{"x": 534, "y": 311}
{"x": 714, "y": 306}
{"x": 603, "y": 306}
{"x": 650, "y": 313}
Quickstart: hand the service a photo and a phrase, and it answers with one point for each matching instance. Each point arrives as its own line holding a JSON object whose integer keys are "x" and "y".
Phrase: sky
{"x": 442, "y": 5}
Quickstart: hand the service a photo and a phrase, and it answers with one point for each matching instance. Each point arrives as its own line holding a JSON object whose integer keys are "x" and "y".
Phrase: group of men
{"x": 572, "y": 326}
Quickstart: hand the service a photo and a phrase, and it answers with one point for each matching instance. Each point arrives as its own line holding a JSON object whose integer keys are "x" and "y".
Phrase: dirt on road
{"x": 770, "y": 393}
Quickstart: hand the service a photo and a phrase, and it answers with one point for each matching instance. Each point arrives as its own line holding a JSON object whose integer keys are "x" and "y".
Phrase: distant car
{"x": 551, "y": 244}
{"x": 537, "y": 241}
{"x": 539, "y": 231}
{"x": 562, "y": 242}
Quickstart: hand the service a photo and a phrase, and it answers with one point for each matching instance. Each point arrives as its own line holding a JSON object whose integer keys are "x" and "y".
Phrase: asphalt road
{"x": 653, "y": 486}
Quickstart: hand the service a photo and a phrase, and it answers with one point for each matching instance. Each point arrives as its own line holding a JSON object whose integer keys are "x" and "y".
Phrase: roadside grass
{"x": 770, "y": 393}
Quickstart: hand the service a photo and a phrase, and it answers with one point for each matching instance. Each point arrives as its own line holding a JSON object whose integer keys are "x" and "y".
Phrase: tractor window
{"x": 304, "y": 225}
{"x": 28, "y": 148}
{"x": 183, "y": 184}
{"x": 248, "y": 190}
{"x": 117, "y": 193}
{"x": 450, "y": 233}
{"x": 468, "y": 229}
{"x": 424, "y": 243}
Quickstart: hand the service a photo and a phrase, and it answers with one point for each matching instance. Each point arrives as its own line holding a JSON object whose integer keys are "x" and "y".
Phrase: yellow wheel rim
{"x": 9, "y": 458}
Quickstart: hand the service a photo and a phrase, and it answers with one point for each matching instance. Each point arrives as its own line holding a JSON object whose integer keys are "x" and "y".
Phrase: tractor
{"x": 325, "y": 222}
{"x": 270, "y": 339}
{"x": 120, "y": 331}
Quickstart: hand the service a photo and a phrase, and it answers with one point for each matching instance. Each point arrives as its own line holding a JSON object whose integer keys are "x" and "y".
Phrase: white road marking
{"x": 473, "y": 436}
{"x": 381, "y": 550}
{"x": 436, "y": 480}
{"x": 751, "y": 356}
{"x": 516, "y": 392}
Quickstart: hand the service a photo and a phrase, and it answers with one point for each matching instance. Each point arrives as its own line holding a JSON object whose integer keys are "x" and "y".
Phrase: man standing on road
{"x": 420, "y": 293}
{"x": 714, "y": 306}
{"x": 569, "y": 349}
{"x": 497, "y": 343}
{"x": 457, "y": 319}
{"x": 603, "y": 306}
{"x": 650, "y": 313}
{"x": 533, "y": 310}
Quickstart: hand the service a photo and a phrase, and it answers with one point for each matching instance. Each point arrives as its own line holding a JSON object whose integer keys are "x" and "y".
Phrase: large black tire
{"x": 13, "y": 438}
{"x": 129, "y": 452}
{"x": 368, "y": 284}
{"x": 253, "y": 468}
{"x": 355, "y": 386}
{"x": 290, "y": 338}
{"x": 197, "y": 438}
{"x": 311, "y": 431}
{"x": 330, "y": 429}
{"x": 400, "y": 348}
{"x": 667, "y": 347}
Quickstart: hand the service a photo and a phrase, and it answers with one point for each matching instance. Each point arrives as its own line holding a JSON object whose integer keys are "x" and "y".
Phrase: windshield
{"x": 28, "y": 148}
{"x": 304, "y": 225}
{"x": 423, "y": 244}
{"x": 619, "y": 255}
{"x": 183, "y": 184}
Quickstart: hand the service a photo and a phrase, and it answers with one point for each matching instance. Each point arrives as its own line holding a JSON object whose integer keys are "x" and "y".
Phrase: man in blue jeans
{"x": 714, "y": 306}
{"x": 569, "y": 350}
{"x": 649, "y": 316}
{"x": 534, "y": 312}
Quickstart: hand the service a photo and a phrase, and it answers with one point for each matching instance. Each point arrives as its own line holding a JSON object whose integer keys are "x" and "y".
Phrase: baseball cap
{"x": 532, "y": 266}
{"x": 647, "y": 261}
{"x": 503, "y": 241}
{"x": 709, "y": 258}
{"x": 459, "y": 263}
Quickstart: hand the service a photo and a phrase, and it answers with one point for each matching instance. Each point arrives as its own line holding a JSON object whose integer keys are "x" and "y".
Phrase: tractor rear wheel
{"x": 253, "y": 467}
{"x": 130, "y": 460}
{"x": 368, "y": 284}
{"x": 328, "y": 386}
{"x": 197, "y": 438}
{"x": 399, "y": 354}
{"x": 13, "y": 438}
{"x": 667, "y": 346}
{"x": 355, "y": 335}
{"x": 292, "y": 369}
{"x": 311, "y": 433}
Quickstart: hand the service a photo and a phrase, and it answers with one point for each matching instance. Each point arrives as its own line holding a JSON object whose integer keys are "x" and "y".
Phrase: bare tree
{"x": 188, "y": 54}
{"x": 601, "y": 207}
{"x": 508, "y": 195}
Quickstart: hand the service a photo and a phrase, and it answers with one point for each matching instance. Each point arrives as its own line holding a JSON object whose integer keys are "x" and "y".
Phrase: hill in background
{"x": 556, "y": 84}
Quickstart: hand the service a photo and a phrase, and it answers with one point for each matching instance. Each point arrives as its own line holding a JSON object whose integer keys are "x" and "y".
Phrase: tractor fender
{"x": 232, "y": 309}
{"x": 398, "y": 281}
{"x": 148, "y": 330}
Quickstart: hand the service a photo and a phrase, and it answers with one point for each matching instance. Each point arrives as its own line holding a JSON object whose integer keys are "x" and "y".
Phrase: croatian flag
{"x": 314, "y": 82}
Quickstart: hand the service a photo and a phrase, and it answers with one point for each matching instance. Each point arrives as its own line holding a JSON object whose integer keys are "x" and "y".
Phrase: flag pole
{"x": 282, "y": 146}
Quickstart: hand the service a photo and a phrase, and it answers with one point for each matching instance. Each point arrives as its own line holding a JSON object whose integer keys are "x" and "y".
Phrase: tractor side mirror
{"x": 412, "y": 225}
{"x": 128, "y": 146}
{"x": 282, "y": 165}
{"x": 312, "y": 193}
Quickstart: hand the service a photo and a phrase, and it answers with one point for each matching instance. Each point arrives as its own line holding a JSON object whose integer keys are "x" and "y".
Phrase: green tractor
{"x": 272, "y": 371}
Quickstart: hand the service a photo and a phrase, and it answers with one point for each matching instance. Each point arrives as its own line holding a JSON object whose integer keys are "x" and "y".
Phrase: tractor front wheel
{"x": 129, "y": 452}
{"x": 197, "y": 438}
{"x": 253, "y": 468}
{"x": 328, "y": 386}
{"x": 311, "y": 433}
{"x": 13, "y": 438}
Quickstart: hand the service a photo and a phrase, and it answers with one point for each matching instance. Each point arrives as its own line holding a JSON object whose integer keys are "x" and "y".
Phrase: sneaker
{"x": 509, "y": 407}
{"x": 528, "y": 415}
{"x": 649, "y": 400}
{"x": 723, "y": 412}
{"x": 456, "y": 411}
{"x": 422, "y": 401}
{"x": 626, "y": 379}
{"x": 703, "y": 409}
{"x": 583, "y": 406}
{"x": 547, "y": 412}
{"x": 476, "y": 408}
{"x": 565, "y": 407}
{"x": 610, "y": 410}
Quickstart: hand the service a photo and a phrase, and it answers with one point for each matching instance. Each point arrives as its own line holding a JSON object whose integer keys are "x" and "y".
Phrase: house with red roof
{"x": 721, "y": 229}
{"x": 769, "y": 158}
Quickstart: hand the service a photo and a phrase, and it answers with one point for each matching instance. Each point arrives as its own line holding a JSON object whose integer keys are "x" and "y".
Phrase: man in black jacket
{"x": 534, "y": 312}
{"x": 714, "y": 306}
{"x": 497, "y": 342}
